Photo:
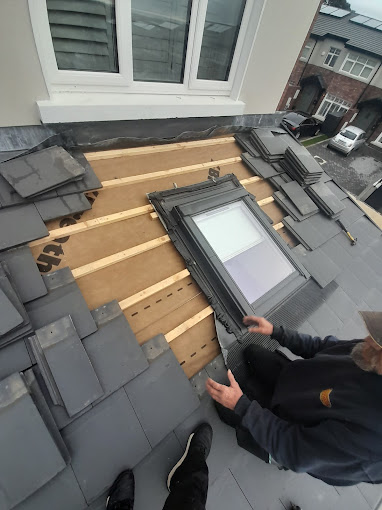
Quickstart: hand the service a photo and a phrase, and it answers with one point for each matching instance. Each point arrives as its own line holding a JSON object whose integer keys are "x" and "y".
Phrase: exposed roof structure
{"x": 110, "y": 330}
{"x": 355, "y": 34}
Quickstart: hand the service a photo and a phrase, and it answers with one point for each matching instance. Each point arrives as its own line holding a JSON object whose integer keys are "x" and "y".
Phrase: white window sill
{"x": 377, "y": 144}
{"x": 77, "y": 107}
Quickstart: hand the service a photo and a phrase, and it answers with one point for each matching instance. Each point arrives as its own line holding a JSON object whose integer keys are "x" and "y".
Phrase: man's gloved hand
{"x": 258, "y": 325}
{"x": 227, "y": 396}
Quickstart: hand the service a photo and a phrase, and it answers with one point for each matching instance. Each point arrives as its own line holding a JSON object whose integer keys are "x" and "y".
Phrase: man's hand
{"x": 258, "y": 325}
{"x": 227, "y": 396}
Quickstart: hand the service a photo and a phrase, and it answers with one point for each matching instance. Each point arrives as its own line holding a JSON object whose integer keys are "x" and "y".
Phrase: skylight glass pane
{"x": 246, "y": 250}
{"x": 340, "y": 13}
{"x": 160, "y": 34}
{"x": 221, "y": 30}
{"x": 326, "y": 9}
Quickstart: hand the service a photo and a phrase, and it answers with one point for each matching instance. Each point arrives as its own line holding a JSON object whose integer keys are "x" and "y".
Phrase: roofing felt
{"x": 356, "y": 35}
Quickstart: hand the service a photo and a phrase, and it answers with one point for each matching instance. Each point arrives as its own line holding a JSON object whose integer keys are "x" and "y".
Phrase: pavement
{"x": 354, "y": 172}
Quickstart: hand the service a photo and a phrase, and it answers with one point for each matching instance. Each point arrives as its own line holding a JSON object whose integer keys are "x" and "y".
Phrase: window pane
{"x": 160, "y": 33}
{"x": 334, "y": 60}
{"x": 366, "y": 72}
{"x": 221, "y": 29}
{"x": 347, "y": 66}
{"x": 362, "y": 60}
{"x": 249, "y": 255}
{"x": 357, "y": 68}
{"x": 83, "y": 34}
{"x": 328, "y": 59}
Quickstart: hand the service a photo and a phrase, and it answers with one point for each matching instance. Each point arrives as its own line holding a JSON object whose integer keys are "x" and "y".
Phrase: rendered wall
{"x": 282, "y": 31}
{"x": 22, "y": 82}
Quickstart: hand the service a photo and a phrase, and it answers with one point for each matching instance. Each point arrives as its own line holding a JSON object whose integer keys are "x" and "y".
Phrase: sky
{"x": 372, "y": 8}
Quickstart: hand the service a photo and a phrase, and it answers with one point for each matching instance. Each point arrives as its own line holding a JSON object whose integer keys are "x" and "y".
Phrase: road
{"x": 355, "y": 172}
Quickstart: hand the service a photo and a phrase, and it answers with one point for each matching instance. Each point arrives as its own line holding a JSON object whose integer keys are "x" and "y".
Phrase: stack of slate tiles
{"x": 325, "y": 199}
{"x": 42, "y": 186}
{"x": 301, "y": 166}
{"x": 295, "y": 201}
{"x": 90, "y": 401}
{"x": 270, "y": 146}
{"x": 260, "y": 167}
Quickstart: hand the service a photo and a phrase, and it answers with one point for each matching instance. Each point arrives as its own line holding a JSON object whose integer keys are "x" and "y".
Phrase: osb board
{"x": 126, "y": 166}
{"x": 103, "y": 241}
{"x": 118, "y": 199}
{"x": 274, "y": 211}
{"x": 128, "y": 277}
{"x": 202, "y": 339}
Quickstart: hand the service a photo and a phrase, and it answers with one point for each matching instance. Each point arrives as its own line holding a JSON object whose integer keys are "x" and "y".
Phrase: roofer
{"x": 321, "y": 414}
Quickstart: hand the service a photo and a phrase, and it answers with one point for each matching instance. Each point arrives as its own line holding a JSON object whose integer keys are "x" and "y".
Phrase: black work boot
{"x": 121, "y": 493}
{"x": 197, "y": 449}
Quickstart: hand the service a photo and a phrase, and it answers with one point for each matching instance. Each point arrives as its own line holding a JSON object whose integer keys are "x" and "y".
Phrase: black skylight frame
{"x": 176, "y": 207}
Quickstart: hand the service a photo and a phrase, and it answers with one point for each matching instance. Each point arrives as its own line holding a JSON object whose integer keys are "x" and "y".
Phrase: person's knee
{"x": 251, "y": 352}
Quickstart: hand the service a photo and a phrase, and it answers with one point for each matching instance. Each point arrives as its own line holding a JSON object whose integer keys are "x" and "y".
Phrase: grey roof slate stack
{"x": 301, "y": 166}
{"x": 259, "y": 166}
{"x": 53, "y": 180}
{"x": 325, "y": 199}
{"x": 271, "y": 147}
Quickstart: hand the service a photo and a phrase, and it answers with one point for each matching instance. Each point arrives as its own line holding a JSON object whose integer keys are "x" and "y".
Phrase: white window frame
{"x": 59, "y": 81}
{"x": 359, "y": 77}
{"x": 333, "y": 55}
{"x": 333, "y": 100}
{"x": 307, "y": 47}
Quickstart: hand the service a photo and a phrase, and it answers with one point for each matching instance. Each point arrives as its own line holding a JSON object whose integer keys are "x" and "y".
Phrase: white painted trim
{"x": 98, "y": 107}
{"x": 62, "y": 81}
{"x": 378, "y": 141}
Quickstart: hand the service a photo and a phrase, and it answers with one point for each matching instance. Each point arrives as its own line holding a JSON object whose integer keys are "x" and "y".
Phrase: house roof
{"x": 355, "y": 35}
{"x": 147, "y": 407}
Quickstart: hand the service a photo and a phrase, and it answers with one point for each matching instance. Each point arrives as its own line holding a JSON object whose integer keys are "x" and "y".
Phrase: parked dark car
{"x": 300, "y": 124}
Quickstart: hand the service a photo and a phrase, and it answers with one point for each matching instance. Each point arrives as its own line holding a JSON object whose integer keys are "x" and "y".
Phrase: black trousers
{"x": 265, "y": 368}
{"x": 190, "y": 486}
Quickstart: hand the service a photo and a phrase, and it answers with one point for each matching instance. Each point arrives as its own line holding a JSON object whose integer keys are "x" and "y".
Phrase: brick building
{"x": 339, "y": 69}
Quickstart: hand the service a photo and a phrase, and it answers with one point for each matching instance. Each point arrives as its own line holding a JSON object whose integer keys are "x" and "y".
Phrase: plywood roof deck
{"x": 118, "y": 250}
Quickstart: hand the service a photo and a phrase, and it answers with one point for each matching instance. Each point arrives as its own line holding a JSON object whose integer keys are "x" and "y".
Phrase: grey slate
{"x": 21, "y": 445}
{"x": 46, "y": 415}
{"x": 217, "y": 370}
{"x": 19, "y": 225}
{"x": 62, "y": 206}
{"x": 259, "y": 166}
{"x": 336, "y": 190}
{"x": 24, "y": 273}
{"x": 225, "y": 494}
{"x": 154, "y": 347}
{"x": 325, "y": 199}
{"x": 41, "y": 171}
{"x": 322, "y": 269}
{"x": 61, "y": 493}
{"x": 103, "y": 442}
{"x": 149, "y": 395}
{"x": 325, "y": 321}
{"x": 243, "y": 139}
{"x": 65, "y": 354}
{"x": 336, "y": 252}
{"x": 300, "y": 199}
{"x": 224, "y": 448}
{"x": 64, "y": 298}
{"x": 14, "y": 358}
{"x": 351, "y": 213}
{"x": 9, "y": 316}
{"x": 9, "y": 291}
{"x": 114, "y": 350}
{"x": 341, "y": 304}
{"x": 307, "y": 233}
{"x": 289, "y": 207}
{"x": 353, "y": 287}
{"x": 225, "y": 339}
{"x": 151, "y": 474}
{"x": 88, "y": 182}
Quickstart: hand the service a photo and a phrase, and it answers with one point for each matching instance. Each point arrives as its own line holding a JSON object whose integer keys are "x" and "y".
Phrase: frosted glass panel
{"x": 239, "y": 234}
{"x": 248, "y": 253}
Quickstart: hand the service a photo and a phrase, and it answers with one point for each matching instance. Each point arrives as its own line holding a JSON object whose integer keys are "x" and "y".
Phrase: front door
{"x": 306, "y": 100}
{"x": 367, "y": 117}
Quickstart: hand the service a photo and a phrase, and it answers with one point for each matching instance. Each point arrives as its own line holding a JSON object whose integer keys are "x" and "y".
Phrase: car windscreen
{"x": 294, "y": 117}
{"x": 348, "y": 134}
